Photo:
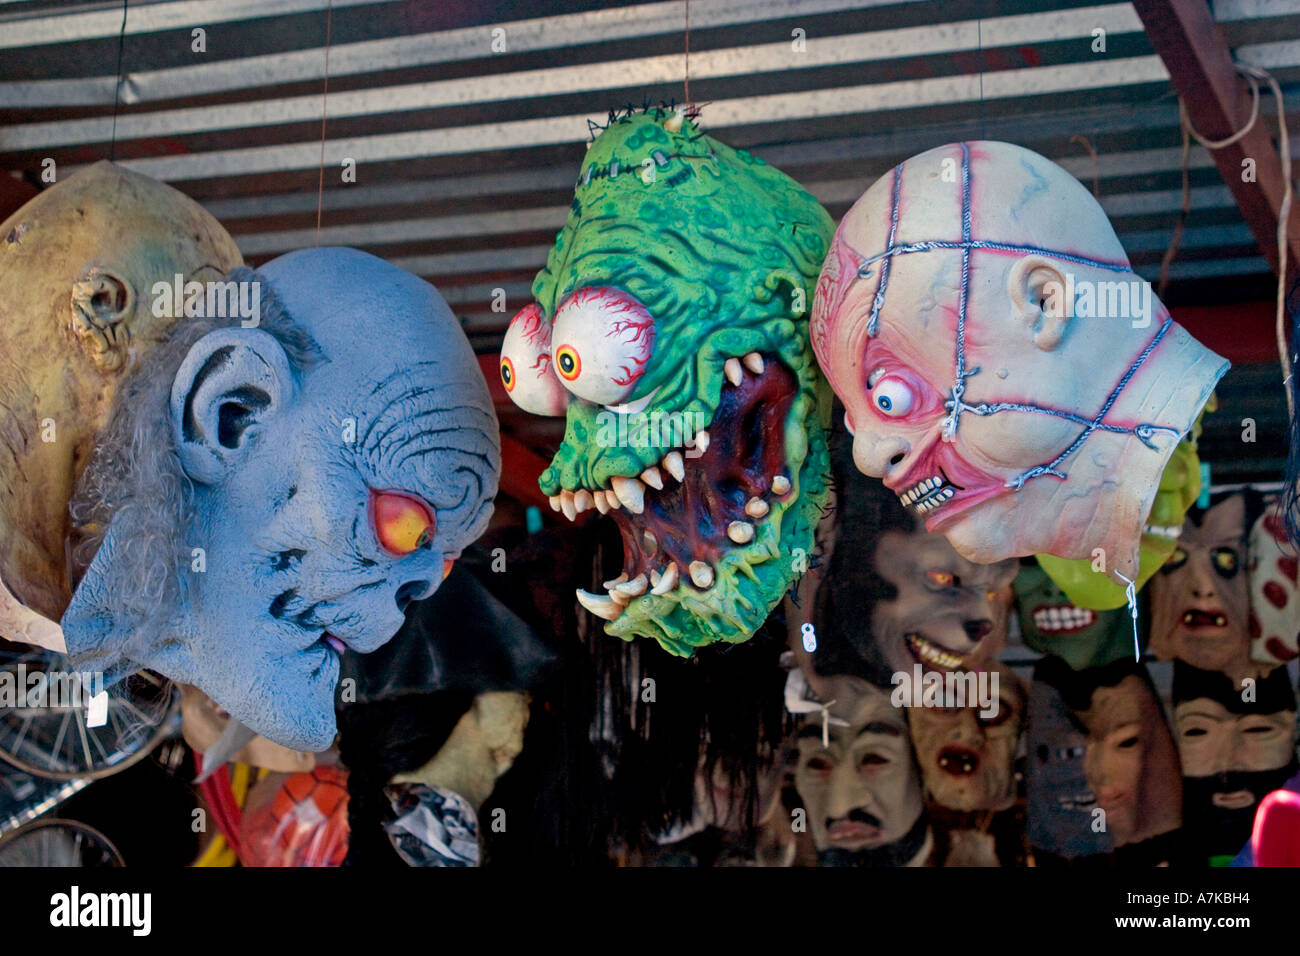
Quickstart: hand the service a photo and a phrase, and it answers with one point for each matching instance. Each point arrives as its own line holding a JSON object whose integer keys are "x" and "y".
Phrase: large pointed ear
{"x": 230, "y": 383}
{"x": 1041, "y": 297}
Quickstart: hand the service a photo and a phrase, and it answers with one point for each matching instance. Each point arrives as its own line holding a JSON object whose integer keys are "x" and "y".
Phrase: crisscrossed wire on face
{"x": 955, "y": 402}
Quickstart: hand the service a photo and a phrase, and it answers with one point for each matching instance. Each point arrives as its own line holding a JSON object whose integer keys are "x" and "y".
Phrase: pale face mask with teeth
{"x": 999, "y": 409}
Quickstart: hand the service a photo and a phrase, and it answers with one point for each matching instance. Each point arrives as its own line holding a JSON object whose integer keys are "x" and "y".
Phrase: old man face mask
{"x": 966, "y": 753}
{"x": 1019, "y": 392}
{"x": 78, "y": 264}
{"x": 1081, "y": 637}
{"x": 858, "y": 781}
{"x": 1233, "y": 752}
{"x": 271, "y": 494}
{"x": 670, "y": 328}
{"x": 1200, "y": 600}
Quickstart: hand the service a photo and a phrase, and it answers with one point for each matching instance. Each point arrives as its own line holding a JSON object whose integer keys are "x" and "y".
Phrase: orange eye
{"x": 402, "y": 522}
{"x": 508, "y": 374}
{"x": 940, "y": 579}
{"x": 568, "y": 363}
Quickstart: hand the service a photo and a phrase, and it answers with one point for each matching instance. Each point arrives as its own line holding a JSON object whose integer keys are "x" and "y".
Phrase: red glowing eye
{"x": 403, "y": 523}
{"x": 568, "y": 362}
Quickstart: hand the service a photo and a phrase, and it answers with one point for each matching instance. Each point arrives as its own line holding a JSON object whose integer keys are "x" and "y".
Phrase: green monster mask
{"x": 1051, "y": 624}
{"x": 670, "y": 327}
{"x": 1180, "y": 484}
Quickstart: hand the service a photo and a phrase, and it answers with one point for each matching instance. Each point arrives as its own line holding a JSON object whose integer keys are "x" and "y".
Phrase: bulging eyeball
{"x": 601, "y": 343}
{"x": 526, "y": 365}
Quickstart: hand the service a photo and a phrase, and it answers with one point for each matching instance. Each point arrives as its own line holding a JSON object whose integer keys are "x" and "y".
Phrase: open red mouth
{"x": 709, "y": 498}
{"x": 958, "y": 761}
{"x": 1197, "y": 618}
{"x": 940, "y": 486}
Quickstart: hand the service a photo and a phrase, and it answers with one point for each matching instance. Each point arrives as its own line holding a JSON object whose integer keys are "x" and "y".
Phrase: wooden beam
{"x": 1188, "y": 40}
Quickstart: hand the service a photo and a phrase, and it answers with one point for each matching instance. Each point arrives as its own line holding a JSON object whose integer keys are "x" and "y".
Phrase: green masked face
{"x": 1180, "y": 484}
{"x": 1051, "y": 624}
{"x": 670, "y": 327}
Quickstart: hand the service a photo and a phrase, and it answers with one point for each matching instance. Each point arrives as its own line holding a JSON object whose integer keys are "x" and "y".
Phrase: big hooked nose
{"x": 877, "y": 455}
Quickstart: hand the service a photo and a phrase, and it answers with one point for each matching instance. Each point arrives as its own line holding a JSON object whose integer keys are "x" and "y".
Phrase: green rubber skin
{"x": 724, "y": 251}
{"x": 1180, "y": 484}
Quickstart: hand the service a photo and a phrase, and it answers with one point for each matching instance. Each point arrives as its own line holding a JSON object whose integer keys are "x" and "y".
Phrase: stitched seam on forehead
{"x": 896, "y": 192}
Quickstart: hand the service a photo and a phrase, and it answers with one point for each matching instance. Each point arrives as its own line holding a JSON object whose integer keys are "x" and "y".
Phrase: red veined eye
{"x": 402, "y": 522}
{"x": 602, "y": 341}
{"x": 568, "y": 362}
{"x": 526, "y": 365}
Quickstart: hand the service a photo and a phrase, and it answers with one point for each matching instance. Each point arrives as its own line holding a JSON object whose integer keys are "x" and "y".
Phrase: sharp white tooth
{"x": 567, "y": 505}
{"x": 610, "y": 585}
{"x": 780, "y": 484}
{"x": 599, "y": 605}
{"x": 582, "y": 500}
{"x": 756, "y": 507}
{"x": 754, "y": 362}
{"x": 601, "y": 502}
{"x": 652, "y": 478}
{"x": 649, "y": 541}
{"x": 619, "y": 598}
{"x": 947, "y": 493}
{"x": 555, "y": 502}
{"x": 612, "y": 500}
{"x": 654, "y": 579}
{"x": 634, "y": 587}
{"x": 741, "y": 532}
{"x": 631, "y": 492}
{"x": 675, "y": 465}
{"x": 731, "y": 369}
{"x": 701, "y": 574}
{"x": 667, "y": 581}
{"x": 702, "y": 440}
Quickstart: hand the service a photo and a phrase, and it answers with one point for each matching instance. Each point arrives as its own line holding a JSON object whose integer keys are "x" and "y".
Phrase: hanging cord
{"x": 117, "y": 87}
{"x": 1253, "y": 75}
{"x": 324, "y": 99}
{"x": 1096, "y": 164}
{"x": 687, "y": 84}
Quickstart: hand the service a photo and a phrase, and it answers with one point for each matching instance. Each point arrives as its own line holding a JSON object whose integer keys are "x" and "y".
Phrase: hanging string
{"x": 1253, "y": 75}
{"x": 1096, "y": 164}
{"x": 687, "y": 84}
{"x": 324, "y": 99}
{"x": 979, "y": 42}
{"x": 1130, "y": 593}
{"x": 117, "y": 87}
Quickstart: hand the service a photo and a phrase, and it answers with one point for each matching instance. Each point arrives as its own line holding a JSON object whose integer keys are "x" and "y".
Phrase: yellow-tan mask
{"x": 78, "y": 264}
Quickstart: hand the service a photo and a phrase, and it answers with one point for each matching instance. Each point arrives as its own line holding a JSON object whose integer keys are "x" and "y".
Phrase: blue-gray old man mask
{"x": 273, "y": 488}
